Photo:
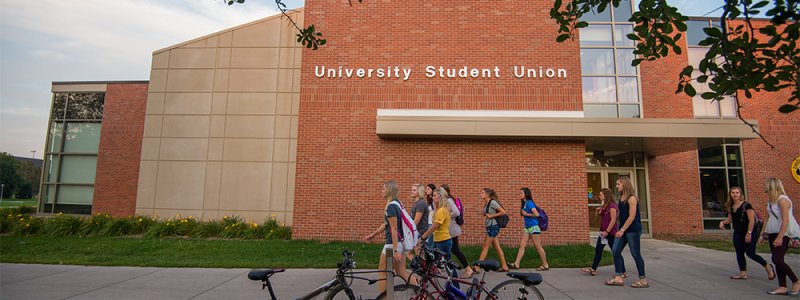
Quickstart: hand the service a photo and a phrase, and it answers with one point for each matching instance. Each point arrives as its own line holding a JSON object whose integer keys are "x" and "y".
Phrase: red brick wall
{"x": 674, "y": 181}
{"x": 341, "y": 163}
{"x": 120, "y": 149}
{"x": 659, "y": 82}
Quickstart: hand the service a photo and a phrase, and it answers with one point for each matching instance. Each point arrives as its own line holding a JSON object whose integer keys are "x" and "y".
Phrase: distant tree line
{"x": 20, "y": 179}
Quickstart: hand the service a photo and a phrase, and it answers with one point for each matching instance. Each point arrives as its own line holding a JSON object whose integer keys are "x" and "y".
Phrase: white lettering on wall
{"x": 394, "y": 72}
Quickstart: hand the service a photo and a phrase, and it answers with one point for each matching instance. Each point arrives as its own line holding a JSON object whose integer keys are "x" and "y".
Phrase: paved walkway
{"x": 674, "y": 271}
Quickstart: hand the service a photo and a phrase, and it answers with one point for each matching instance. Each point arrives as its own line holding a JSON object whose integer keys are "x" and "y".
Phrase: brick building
{"x": 246, "y": 122}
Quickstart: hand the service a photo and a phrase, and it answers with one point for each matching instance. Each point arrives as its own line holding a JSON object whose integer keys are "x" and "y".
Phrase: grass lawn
{"x": 17, "y": 202}
{"x": 177, "y": 252}
{"x": 728, "y": 246}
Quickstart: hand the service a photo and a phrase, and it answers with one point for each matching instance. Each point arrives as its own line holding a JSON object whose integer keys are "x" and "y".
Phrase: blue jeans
{"x": 445, "y": 247}
{"x": 632, "y": 238}
{"x": 598, "y": 251}
{"x": 742, "y": 248}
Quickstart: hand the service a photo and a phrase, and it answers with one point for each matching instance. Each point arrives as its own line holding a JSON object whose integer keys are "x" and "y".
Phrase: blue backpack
{"x": 543, "y": 220}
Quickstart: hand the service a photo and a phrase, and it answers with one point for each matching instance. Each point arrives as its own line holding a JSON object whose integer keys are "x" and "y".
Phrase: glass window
{"x": 599, "y": 90}
{"x": 600, "y": 111}
{"x": 629, "y": 111}
{"x": 59, "y": 106}
{"x": 621, "y": 35}
{"x": 49, "y": 192}
{"x": 694, "y": 31}
{"x": 56, "y": 136}
{"x": 628, "y": 89}
{"x": 711, "y": 157}
{"x": 597, "y": 61}
{"x": 75, "y": 194}
{"x": 593, "y": 16}
{"x": 714, "y": 192}
{"x": 622, "y": 12}
{"x": 51, "y": 168}
{"x": 85, "y": 106}
{"x": 78, "y": 169}
{"x": 82, "y": 137}
{"x": 639, "y": 159}
{"x": 641, "y": 192}
{"x": 718, "y": 173}
{"x": 596, "y": 35}
{"x": 624, "y": 59}
{"x": 733, "y": 156}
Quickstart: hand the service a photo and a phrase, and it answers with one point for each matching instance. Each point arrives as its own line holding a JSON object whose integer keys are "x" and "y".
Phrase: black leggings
{"x": 460, "y": 255}
{"x": 743, "y": 248}
{"x": 782, "y": 269}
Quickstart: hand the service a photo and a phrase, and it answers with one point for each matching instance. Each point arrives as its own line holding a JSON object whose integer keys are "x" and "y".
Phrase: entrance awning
{"x": 656, "y": 136}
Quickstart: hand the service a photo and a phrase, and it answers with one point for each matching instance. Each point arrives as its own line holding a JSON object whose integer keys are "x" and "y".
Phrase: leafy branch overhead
{"x": 741, "y": 58}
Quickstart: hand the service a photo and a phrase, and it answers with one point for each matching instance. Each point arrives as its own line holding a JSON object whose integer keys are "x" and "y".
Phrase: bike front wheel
{"x": 516, "y": 290}
{"x": 403, "y": 291}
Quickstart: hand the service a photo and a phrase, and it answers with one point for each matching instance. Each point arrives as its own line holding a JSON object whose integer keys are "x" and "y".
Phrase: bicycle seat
{"x": 528, "y": 278}
{"x": 262, "y": 274}
{"x": 488, "y": 265}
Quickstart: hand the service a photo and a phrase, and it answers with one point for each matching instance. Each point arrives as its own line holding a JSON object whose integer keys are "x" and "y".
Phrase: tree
{"x": 738, "y": 61}
{"x": 24, "y": 190}
{"x": 30, "y": 173}
{"x": 8, "y": 174}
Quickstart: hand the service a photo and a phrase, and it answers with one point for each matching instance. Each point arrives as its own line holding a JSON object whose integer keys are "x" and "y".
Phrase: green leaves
{"x": 787, "y": 108}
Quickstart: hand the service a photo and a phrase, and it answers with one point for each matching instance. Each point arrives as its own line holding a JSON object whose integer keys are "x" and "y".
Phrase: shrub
{"x": 119, "y": 226}
{"x": 27, "y": 225}
{"x": 95, "y": 225}
{"x": 142, "y": 224}
{"x": 62, "y": 225}
{"x": 162, "y": 229}
{"x": 232, "y": 227}
{"x": 207, "y": 229}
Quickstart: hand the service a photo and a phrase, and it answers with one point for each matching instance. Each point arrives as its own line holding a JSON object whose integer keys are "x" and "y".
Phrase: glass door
{"x": 594, "y": 185}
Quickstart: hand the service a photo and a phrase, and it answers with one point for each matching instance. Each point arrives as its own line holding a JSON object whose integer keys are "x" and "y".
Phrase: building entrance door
{"x": 596, "y": 181}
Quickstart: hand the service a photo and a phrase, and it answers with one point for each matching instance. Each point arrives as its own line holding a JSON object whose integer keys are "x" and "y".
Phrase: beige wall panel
{"x": 215, "y": 149}
{"x": 187, "y": 103}
{"x": 213, "y": 175}
{"x": 262, "y": 34}
{"x": 225, "y": 213}
{"x": 225, "y": 39}
{"x": 289, "y": 218}
{"x": 158, "y": 81}
{"x": 245, "y": 186}
{"x": 179, "y": 185}
{"x": 284, "y": 104}
{"x": 285, "y": 77}
{"x": 146, "y": 191}
{"x": 186, "y": 126}
{"x": 295, "y": 104}
{"x": 190, "y": 80}
{"x": 166, "y": 214}
{"x": 292, "y": 150}
{"x": 257, "y": 217}
{"x": 281, "y": 150}
{"x": 253, "y": 80}
{"x": 144, "y": 212}
{"x": 212, "y": 41}
{"x": 223, "y": 58}
{"x": 283, "y": 126}
{"x": 251, "y": 104}
{"x": 217, "y": 126}
{"x": 248, "y": 150}
{"x": 286, "y": 58}
{"x": 150, "y": 148}
{"x": 161, "y": 60}
{"x": 298, "y": 57}
{"x": 250, "y": 126}
{"x": 196, "y": 58}
{"x": 152, "y": 125}
{"x": 288, "y": 36}
{"x": 293, "y": 132}
{"x": 196, "y": 44}
{"x": 280, "y": 180}
{"x": 155, "y": 103}
{"x": 218, "y": 103}
{"x": 210, "y": 215}
{"x": 296, "y": 81}
{"x": 184, "y": 149}
{"x": 221, "y": 77}
{"x": 254, "y": 58}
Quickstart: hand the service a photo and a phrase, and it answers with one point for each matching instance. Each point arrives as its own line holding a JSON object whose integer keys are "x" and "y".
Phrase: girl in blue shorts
{"x": 531, "y": 231}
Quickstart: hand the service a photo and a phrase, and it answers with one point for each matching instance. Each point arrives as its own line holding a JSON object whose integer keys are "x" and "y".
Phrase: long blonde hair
{"x": 774, "y": 189}
{"x": 729, "y": 204}
{"x": 627, "y": 188}
{"x": 442, "y": 198}
{"x": 391, "y": 190}
{"x": 420, "y": 191}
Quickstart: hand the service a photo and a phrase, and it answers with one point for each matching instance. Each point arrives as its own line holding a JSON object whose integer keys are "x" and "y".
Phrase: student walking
{"x": 420, "y": 209}
{"x": 608, "y": 228}
{"x": 745, "y": 232}
{"x": 531, "y": 231}
{"x": 629, "y": 233}
{"x": 455, "y": 231}
{"x": 431, "y": 208}
{"x": 392, "y": 223}
{"x": 491, "y": 211}
{"x": 780, "y": 222}
{"x": 440, "y": 230}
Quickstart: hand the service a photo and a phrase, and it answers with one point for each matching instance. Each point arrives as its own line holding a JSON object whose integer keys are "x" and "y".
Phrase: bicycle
{"x": 430, "y": 262}
{"x": 338, "y": 287}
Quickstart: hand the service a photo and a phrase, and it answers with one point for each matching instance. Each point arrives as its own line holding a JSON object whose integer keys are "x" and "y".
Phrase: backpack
{"x": 409, "y": 234}
{"x": 460, "y": 218}
{"x": 759, "y": 221}
{"x": 543, "y": 220}
{"x": 502, "y": 221}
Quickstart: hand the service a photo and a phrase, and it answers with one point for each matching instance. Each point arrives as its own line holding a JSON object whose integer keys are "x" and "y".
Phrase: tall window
{"x": 71, "y": 154}
{"x": 704, "y": 108}
{"x": 720, "y": 169}
{"x": 610, "y": 83}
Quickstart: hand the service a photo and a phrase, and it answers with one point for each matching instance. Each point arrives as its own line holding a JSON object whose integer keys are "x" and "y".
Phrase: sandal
{"x": 770, "y": 272}
{"x": 543, "y": 268}
{"x": 513, "y": 266}
{"x": 739, "y": 277}
{"x": 640, "y": 285}
{"x": 625, "y": 275}
{"x": 589, "y": 271}
{"x": 613, "y": 282}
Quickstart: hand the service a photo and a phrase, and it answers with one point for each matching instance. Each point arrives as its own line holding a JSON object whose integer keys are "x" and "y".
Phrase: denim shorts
{"x": 493, "y": 231}
{"x": 533, "y": 230}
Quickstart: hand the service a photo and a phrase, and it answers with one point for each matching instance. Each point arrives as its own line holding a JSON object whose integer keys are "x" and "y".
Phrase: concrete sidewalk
{"x": 674, "y": 271}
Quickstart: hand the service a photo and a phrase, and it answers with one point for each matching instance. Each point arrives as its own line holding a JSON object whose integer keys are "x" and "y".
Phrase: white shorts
{"x": 389, "y": 246}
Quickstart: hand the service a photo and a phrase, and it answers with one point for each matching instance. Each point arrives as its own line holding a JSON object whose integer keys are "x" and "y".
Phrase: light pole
{"x": 34, "y": 153}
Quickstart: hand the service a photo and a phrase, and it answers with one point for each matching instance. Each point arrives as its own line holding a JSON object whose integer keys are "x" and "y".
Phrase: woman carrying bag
{"x": 781, "y": 228}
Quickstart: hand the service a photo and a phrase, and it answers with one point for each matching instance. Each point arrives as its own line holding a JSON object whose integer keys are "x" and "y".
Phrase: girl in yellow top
{"x": 440, "y": 228}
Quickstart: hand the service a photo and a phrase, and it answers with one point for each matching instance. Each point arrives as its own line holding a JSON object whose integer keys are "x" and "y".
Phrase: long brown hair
{"x": 627, "y": 188}
{"x": 729, "y": 204}
{"x": 609, "y": 195}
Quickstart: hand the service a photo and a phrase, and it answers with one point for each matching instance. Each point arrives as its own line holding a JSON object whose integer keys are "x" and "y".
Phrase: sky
{"x": 100, "y": 40}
